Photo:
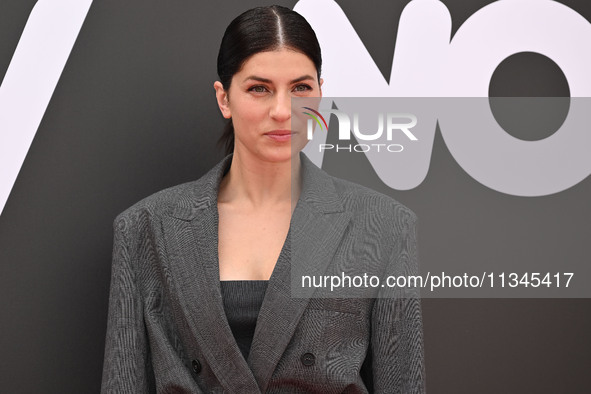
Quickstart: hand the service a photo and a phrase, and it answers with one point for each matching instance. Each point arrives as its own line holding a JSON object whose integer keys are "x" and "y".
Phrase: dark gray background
{"x": 134, "y": 112}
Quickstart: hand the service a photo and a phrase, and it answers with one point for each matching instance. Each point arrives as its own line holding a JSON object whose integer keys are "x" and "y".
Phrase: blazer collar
{"x": 317, "y": 225}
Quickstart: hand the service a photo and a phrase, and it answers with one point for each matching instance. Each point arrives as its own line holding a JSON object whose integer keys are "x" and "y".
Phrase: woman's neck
{"x": 256, "y": 184}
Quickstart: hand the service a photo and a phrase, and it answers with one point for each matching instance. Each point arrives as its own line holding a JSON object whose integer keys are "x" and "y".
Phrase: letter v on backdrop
{"x": 31, "y": 78}
{"x": 428, "y": 63}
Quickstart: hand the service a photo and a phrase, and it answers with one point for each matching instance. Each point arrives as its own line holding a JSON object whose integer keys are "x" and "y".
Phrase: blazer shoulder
{"x": 365, "y": 199}
{"x": 156, "y": 205}
{"x": 181, "y": 201}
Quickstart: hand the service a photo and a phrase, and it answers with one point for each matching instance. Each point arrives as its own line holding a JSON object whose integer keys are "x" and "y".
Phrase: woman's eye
{"x": 258, "y": 89}
{"x": 302, "y": 88}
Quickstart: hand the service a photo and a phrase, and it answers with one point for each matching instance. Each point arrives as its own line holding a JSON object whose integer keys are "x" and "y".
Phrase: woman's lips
{"x": 280, "y": 135}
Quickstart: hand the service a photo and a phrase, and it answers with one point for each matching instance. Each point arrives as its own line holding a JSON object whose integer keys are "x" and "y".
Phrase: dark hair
{"x": 257, "y": 30}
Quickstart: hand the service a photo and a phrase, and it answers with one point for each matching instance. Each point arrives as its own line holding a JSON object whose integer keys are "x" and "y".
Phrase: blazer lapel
{"x": 191, "y": 236}
{"x": 318, "y": 223}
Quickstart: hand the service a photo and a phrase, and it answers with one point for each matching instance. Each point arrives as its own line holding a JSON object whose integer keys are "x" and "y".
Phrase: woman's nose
{"x": 281, "y": 109}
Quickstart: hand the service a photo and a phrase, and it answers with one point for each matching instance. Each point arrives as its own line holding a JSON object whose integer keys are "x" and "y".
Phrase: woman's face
{"x": 259, "y": 103}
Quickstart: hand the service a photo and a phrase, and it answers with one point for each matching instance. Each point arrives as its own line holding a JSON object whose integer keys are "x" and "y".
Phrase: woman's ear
{"x": 320, "y": 86}
{"x": 223, "y": 100}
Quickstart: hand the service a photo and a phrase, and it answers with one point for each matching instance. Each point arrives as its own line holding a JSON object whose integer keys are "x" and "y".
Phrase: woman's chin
{"x": 271, "y": 154}
{"x": 282, "y": 155}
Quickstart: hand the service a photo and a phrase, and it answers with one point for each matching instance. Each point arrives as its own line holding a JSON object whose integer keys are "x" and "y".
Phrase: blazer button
{"x": 308, "y": 359}
{"x": 196, "y": 366}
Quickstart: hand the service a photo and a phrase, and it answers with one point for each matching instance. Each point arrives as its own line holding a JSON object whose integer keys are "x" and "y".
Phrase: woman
{"x": 201, "y": 297}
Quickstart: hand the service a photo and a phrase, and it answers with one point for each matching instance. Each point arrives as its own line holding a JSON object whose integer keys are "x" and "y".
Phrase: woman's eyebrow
{"x": 260, "y": 79}
{"x": 302, "y": 78}
{"x": 266, "y": 80}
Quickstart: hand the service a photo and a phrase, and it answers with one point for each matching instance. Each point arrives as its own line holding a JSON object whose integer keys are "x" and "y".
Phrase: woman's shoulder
{"x": 179, "y": 200}
{"x": 358, "y": 199}
{"x": 157, "y": 204}
{"x": 363, "y": 199}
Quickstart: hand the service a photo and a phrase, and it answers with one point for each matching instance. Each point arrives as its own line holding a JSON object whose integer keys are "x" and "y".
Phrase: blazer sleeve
{"x": 127, "y": 366}
{"x": 396, "y": 355}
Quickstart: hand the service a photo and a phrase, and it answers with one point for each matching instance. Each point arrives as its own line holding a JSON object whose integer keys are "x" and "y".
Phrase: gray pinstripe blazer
{"x": 167, "y": 331}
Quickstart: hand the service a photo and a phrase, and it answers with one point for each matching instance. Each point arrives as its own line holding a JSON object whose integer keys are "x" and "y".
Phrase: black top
{"x": 242, "y": 303}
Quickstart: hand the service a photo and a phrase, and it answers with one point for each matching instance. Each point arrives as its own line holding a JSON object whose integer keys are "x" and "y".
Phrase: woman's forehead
{"x": 282, "y": 64}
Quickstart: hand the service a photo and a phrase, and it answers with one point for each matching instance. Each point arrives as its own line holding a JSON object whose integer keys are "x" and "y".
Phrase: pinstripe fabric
{"x": 167, "y": 331}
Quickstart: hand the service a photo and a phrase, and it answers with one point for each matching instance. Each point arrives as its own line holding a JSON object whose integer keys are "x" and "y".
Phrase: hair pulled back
{"x": 262, "y": 29}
